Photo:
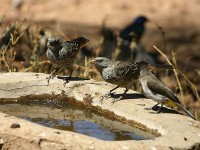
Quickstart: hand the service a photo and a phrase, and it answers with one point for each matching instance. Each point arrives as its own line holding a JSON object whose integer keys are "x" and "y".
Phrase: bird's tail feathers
{"x": 162, "y": 66}
{"x": 186, "y": 111}
{"x": 81, "y": 41}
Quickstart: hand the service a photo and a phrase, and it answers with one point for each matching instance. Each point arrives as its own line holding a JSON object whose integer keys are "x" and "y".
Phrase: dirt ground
{"x": 179, "y": 21}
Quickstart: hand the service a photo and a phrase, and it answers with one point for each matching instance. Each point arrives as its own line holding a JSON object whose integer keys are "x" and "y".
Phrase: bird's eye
{"x": 100, "y": 61}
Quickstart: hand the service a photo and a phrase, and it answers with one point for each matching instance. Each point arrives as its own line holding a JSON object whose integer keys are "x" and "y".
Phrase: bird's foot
{"x": 152, "y": 108}
{"x": 155, "y": 112}
{"x": 155, "y": 107}
{"x": 158, "y": 111}
{"x": 106, "y": 96}
{"x": 51, "y": 76}
{"x": 66, "y": 80}
{"x": 116, "y": 100}
{"x": 48, "y": 79}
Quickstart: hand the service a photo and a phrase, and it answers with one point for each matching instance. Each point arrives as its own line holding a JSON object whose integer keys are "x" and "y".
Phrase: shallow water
{"x": 65, "y": 116}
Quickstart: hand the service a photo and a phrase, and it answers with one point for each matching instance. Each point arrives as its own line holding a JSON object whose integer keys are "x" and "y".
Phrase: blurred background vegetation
{"x": 173, "y": 27}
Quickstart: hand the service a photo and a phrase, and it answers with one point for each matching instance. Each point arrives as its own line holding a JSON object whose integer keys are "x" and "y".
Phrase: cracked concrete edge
{"x": 177, "y": 131}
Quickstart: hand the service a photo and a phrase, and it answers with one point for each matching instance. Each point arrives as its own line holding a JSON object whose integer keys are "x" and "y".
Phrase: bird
{"x": 132, "y": 33}
{"x": 63, "y": 53}
{"x": 108, "y": 43}
{"x": 6, "y": 38}
{"x": 156, "y": 90}
{"x": 134, "y": 30}
{"x": 121, "y": 73}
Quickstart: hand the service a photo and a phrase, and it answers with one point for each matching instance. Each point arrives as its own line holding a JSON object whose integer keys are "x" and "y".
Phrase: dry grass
{"x": 39, "y": 63}
{"x": 8, "y": 53}
{"x": 177, "y": 72}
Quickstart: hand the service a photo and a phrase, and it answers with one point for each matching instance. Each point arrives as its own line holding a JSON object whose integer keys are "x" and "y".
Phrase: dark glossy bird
{"x": 121, "y": 73}
{"x": 5, "y": 39}
{"x": 134, "y": 30}
{"x": 131, "y": 34}
{"x": 154, "y": 89}
{"x": 63, "y": 53}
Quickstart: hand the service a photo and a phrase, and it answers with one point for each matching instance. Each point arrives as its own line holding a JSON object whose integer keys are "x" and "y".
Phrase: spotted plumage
{"x": 63, "y": 53}
{"x": 121, "y": 73}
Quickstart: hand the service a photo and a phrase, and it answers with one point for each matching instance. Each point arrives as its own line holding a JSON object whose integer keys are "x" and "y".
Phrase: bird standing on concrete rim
{"x": 62, "y": 54}
{"x": 154, "y": 89}
{"x": 121, "y": 73}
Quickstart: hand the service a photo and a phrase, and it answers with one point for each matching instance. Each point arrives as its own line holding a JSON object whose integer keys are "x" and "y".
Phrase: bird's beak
{"x": 160, "y": 67}
{"x": 91, "y": 61}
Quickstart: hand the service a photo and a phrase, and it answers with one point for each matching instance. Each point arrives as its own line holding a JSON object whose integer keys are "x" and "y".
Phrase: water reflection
{"x": 77, "y": 120}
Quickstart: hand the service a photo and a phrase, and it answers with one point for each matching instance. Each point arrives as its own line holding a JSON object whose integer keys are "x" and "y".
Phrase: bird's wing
{"x": 68, "y": 44}
{"x": 122, "y": 68}
{"x": 68, "y": 47}
{"x": 125, "y": 33}
{"x": 136, "y": 29}
{"x": 157, "y": 87}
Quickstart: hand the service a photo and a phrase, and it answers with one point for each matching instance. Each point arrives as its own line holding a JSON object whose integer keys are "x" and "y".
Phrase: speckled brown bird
{"x": 63, "y": 53}
{"x": 121, "y": 73}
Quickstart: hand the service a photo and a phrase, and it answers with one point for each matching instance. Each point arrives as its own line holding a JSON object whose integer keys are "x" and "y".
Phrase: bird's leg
{"x": 158, "y": 111}
{"x": 108, "y": 94}
{"x": 154, "y": 107}
{"x": 120, "y": 98}
{"x": 66, "y": 80}
{"x": 52, "y": 75}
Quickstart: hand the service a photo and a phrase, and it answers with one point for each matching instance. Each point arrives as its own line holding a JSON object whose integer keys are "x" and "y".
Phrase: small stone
{"x": 185, "y": 138}
{"x": 15, "y": 125}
